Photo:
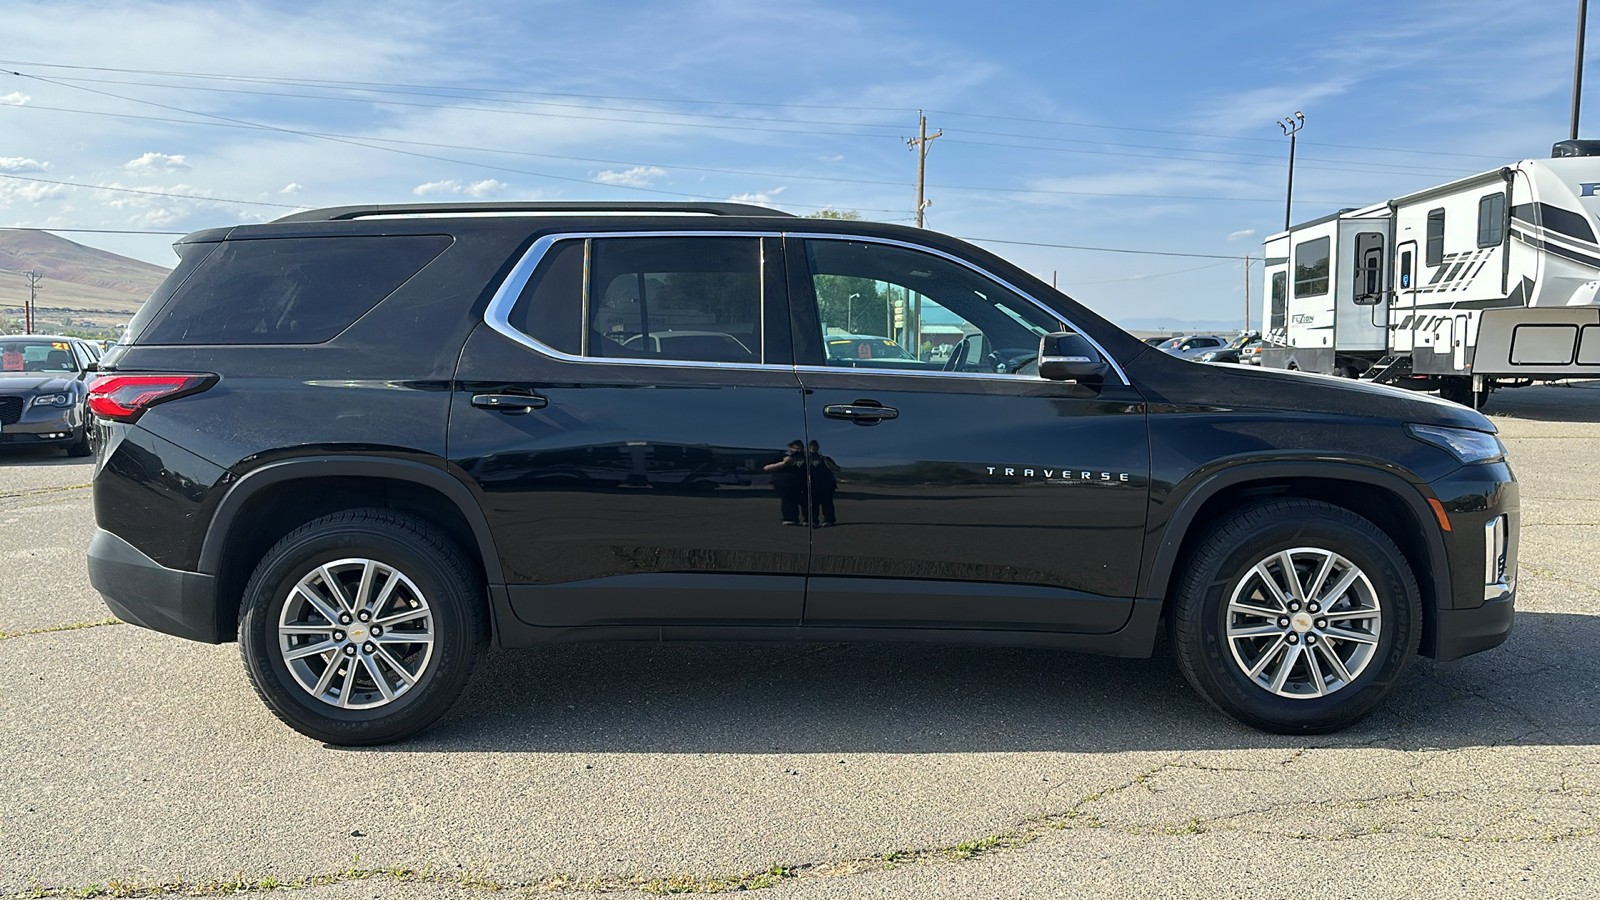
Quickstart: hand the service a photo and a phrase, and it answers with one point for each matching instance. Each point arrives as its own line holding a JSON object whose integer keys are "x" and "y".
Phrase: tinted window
{"x": 1311, "y": 268}
{"x": 1434, "y": 252}
{"x": 890, "y": 307}
{"x": 1491, "y": 220}
{"x": 551, "y": 306}
{"x": 288, "y": 290}
{"x": 683, "y": 298}
{"x": 1280, "y": 286}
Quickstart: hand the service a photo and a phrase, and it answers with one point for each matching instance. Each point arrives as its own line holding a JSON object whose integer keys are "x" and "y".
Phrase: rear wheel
{"x": 1458, "y": 389}
{"x": 361, "y": 627}
{"x": 1296, "y": 616}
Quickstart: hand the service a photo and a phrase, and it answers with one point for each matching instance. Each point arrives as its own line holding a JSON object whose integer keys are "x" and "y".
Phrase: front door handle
{"x": 866, "y": 413}
{"x": 510, "y": 403}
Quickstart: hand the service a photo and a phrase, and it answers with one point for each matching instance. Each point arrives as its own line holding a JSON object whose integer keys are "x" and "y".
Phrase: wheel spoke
{"x": 334, "y": 588}
{"x": 402, "y": 616}
{"x": 1290, "y": 657}
{"x": 1314, "y": 590}
{"x": 404, "y": 637}
{"x": 326, "y": 680}
{"x": 1254, "y": 631}
{"x": 1290, "y": 576}
{"x": 1339, "y": 587}
{"x": 1341, "y": 634}
{"x": 377, "y": 677}
{"x": 317, "y": 603}
{"x": 405, "y": 675}
{"x": 1337, "y": 664}
{"x": 1275, "y": 592}
{"x": 349, "y": 684}
{"x": 299, "y": 629}
{"x": 364, "y": 588}
{"x": 1315, "y": 671}
{"x": 1261, "y": 664}
{"x": 1346, "y": 614}
{"x": 310, "y": 650}
{"x": 1249, "y": 609}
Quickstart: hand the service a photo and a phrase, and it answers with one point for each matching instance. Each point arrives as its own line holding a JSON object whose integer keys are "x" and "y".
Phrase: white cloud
{"x": 1242, "y": 234}
{"x": 158, "y": 162}
{"x": 21, "y": 164}
{"x": 293, "y": 187}
{"x": 15, "y": 98}
{"x": 758, "y": 197}
{"x": 447, "y": 186}
{"x": 27, "y": 192}
{"x": 834, "y": 158}
{"x": 485, "y": 188}
{"x": 638, "y": 176}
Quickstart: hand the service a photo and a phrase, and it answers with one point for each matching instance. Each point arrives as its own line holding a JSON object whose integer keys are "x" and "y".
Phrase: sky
{"x": 1134, "y": 126}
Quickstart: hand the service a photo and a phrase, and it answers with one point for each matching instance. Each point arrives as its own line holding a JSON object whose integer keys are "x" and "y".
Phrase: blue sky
{"x": 1138, "y": 125}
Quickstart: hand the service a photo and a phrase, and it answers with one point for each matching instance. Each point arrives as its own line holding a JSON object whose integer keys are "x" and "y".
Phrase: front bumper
{"x": 143, "y": 592}
{"x": 1483, "y": 507}
{"x": 43, "y": 427}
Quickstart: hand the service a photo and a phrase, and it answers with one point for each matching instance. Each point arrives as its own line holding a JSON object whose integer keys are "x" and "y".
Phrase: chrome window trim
{"x": 498, "y": 314}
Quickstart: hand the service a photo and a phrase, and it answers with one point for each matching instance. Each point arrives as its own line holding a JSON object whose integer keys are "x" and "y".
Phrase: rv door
{"x": 1402, "y": 311}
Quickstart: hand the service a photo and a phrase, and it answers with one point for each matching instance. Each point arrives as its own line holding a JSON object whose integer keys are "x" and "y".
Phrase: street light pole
{"x": 1291, "y": 126}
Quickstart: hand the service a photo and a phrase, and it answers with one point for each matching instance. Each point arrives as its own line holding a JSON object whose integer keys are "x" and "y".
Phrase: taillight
{"x": 125, "y": 397}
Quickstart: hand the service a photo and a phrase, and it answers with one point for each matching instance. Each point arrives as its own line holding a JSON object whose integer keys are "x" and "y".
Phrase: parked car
{"x": 1191, "y": 345}
{"x": 1232, "y": 353}
{"x": 368, "y": 442}
{"x": 43, "y": 389}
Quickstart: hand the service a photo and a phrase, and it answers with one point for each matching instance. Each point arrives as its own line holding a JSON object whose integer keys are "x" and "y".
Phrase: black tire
{"x": 449, "y": 591}
{"x": 1458, "y": 389}
{"x": 1223, "y": 562}
{"x": 83, "y": 446}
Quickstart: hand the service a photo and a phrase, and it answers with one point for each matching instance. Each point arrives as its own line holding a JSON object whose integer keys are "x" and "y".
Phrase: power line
{"x": 979, "y": 240}
{"x": 123, "y": 190}
{"x": 364, "y": 144}
{"x": 424, "y": 89}
{"x": 687, "y": 168}
{"x": 1214, "y": 265}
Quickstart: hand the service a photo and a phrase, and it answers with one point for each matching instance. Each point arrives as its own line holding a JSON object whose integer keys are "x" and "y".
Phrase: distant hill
{"x": 80, "y": 284}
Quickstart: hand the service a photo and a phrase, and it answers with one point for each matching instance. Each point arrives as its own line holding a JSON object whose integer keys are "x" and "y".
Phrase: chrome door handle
{"x": 510, "y": 403}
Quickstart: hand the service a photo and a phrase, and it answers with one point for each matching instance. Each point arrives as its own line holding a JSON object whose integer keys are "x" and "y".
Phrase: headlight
{"x": 1464, "y": 444}
{"x": 61, "y": 400}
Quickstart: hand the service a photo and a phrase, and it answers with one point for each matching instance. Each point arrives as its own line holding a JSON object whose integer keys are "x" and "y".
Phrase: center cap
{"x": 1300, "y": 622}
{"x": 359, "y": 632}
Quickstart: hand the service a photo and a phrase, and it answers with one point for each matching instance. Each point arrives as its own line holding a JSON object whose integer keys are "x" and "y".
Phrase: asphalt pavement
{"x": 136, "y": 763}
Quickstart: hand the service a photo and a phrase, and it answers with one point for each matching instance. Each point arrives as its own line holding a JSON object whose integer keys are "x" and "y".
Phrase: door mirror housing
{"x": 1068, "y": 356}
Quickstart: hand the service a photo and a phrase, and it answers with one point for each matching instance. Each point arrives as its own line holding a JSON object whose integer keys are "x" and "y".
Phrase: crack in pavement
{"x": 53, "y": 629}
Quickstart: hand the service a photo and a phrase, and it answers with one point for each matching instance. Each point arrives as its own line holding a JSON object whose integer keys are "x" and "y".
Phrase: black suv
{"x": 366, "y": 442}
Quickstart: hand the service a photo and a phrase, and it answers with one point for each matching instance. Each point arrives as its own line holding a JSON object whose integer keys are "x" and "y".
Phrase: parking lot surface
{"x": 135, "y": 762}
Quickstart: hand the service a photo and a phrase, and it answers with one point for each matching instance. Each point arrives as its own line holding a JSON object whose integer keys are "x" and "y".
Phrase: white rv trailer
{"x": 1486, "y": 281}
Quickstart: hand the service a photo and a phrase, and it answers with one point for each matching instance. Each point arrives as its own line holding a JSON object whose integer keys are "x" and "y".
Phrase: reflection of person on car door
{"x": 789, "y": 480}
{"x": 824, "y": 482}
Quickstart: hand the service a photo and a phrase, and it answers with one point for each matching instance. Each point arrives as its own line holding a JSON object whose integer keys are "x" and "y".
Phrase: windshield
{"x": 36, "y": 356}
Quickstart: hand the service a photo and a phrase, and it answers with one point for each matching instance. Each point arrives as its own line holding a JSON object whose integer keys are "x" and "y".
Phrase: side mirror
{"x": 92, "y": 367}
{"x": 1067, "y": 356}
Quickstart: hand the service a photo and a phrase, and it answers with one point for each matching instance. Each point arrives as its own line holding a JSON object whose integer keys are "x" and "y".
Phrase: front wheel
{"x": 1296, "y": 616}
{"x": 361, "y": 627}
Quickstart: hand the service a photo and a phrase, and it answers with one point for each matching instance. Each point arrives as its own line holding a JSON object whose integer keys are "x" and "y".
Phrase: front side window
{"x": 1434, "y": 252}
{"x": 1311, "y": 268}
{"x": 887, "y": 307}
{"x": 1491, "y": 219}
{"x": 664, "y": 298}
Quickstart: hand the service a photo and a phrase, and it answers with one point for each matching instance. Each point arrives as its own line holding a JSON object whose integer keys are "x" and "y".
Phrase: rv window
{"x": 1491, "y": 220}
{"x": 1311, "y": 268}
{"x": 1280, "y": 289}
{"x": 1435, "y": 249}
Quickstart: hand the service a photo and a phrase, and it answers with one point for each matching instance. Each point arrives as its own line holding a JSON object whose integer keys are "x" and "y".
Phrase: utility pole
{"x": 1577, "y": 66}
{"x": 1291, "y": 126}
{"x": 33, "y": 295}
{"x": 920, "y": 145}
{"x": 1247, "y": 293}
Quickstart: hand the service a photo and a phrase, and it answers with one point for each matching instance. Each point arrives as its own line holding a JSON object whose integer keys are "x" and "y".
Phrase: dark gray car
{"x": 43, "y": 383}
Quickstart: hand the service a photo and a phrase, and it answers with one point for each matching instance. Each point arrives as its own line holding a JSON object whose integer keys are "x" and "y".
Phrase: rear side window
{"x": 1434, "y": 251}
{"x": 1311, "y": 268}
{"x": 288, "y": 290}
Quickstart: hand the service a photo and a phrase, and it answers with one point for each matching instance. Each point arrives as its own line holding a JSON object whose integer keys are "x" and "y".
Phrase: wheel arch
{"x": 1394, "y": 505}
{"x": 268, "y": 502}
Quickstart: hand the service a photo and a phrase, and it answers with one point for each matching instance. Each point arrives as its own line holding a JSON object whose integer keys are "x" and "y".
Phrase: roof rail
{"x": 338, "y": 213}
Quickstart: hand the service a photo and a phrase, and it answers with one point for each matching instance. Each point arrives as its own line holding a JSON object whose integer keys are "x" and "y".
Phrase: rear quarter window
{"x": 288, "y": 290}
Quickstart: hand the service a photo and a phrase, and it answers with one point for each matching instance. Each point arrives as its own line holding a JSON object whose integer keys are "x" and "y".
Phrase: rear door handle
{"x": 866, "y": 413}
{"x": 510, "y": 403}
